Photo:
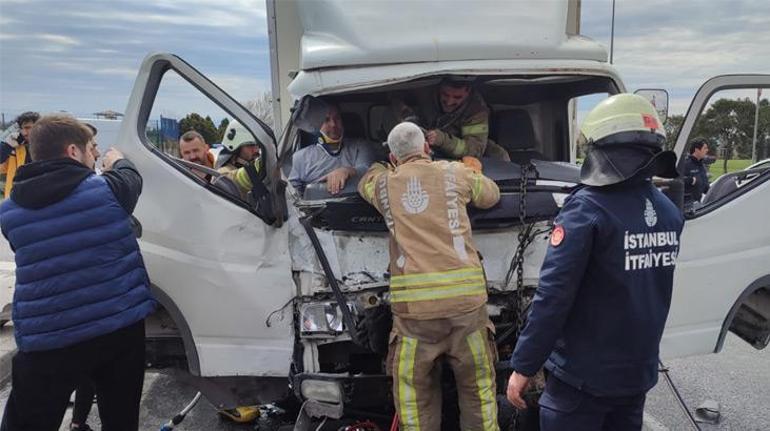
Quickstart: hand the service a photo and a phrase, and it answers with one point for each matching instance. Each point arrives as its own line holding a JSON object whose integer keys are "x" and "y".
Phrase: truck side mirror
{"x": 658, "y": 98}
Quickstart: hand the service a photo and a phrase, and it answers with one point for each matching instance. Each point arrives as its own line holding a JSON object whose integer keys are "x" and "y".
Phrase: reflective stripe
{"x": 475, "y": 129}
{"x": 476, "y": 189}
{"x": 433, "y": 293}
{"x": 445, "y": 277}
{"x": 242, "y": 180}
{"x": 407, "y": 395}
{"x": 369, "y": 190}
{"x": 459, "y": 148}
{"x": 484, "y": 380}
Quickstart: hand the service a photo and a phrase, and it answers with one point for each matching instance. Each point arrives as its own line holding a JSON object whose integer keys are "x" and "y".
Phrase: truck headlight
{"x": 321, "y": 318}
{"x": 321, "y": 390}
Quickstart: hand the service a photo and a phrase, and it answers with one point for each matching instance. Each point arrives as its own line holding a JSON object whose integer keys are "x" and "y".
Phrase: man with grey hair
{"x": 437, "y": 285}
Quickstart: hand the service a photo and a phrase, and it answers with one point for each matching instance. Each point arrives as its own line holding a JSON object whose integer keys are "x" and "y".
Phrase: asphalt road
{"x": 738, "y": 378}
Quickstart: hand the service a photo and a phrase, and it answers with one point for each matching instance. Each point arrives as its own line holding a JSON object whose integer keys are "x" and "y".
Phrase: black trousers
{"x": 563, "y": 407}
{"x": 84, "y": 398}
{"x": 42, "y": 382}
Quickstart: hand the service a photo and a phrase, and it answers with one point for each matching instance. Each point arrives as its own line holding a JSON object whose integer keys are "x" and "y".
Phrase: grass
{"x": 716, "y": 169}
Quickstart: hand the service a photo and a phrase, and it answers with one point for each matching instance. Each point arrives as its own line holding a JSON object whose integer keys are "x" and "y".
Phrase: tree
{"x": 672, "y": 125}
{"x": 223, "y": 127}
{"x": 204, "y": 126}
{"x": 728, "y": 124}
{"x": 262, "y": 108}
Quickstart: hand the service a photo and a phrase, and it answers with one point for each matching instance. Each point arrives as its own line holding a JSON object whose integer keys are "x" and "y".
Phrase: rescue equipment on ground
{"x": 181, "y": 415}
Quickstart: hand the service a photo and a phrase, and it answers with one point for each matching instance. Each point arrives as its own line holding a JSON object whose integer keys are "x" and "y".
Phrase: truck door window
{"x": 194, "y": 134}
{"x": 738, "y": 137}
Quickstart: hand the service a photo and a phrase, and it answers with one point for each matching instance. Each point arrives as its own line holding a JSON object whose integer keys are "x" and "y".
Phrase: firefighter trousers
{"x": 417, "y": 349}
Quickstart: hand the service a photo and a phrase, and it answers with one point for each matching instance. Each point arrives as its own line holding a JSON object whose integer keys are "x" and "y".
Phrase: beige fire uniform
{"x": 437, "y": 289}
{"x": 465, "y": 132}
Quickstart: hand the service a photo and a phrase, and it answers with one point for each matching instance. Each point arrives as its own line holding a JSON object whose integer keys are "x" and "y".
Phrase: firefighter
{"x": 605, "y": 286}
{"x": 438, "y": 291}
{"x": 694, "y": 173}
{"x": 240, "y": 154}
{"x": 457, "y": 121}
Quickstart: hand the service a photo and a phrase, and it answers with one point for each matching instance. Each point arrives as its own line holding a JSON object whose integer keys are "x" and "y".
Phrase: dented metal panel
{"x": 361, "y": 260}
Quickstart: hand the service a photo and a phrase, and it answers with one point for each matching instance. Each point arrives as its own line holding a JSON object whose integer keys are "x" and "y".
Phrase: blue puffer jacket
{"x": 79, "y": 272}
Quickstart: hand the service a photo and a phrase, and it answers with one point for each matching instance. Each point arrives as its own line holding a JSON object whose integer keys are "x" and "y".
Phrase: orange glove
{"x": 473, "y": 163}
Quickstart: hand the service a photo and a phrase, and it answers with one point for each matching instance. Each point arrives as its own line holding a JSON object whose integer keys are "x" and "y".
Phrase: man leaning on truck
{"x": 82, "y": 291}
{"x": 437, "y": 285}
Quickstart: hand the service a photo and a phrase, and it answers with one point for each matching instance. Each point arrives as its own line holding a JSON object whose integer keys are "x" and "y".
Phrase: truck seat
{"x": 514, "y": 132}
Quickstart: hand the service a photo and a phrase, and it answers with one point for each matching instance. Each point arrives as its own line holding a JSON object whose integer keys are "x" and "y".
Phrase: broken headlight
{"x": 322, "y": 319}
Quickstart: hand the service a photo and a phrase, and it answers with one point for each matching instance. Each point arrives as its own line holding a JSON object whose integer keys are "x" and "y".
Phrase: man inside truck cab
{"x": 457, "y": 122}
{"x": 240, "y": 161}
{"x": 333, "y": 159}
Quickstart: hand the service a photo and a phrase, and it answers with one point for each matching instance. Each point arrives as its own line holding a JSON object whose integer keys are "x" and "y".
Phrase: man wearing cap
{"x": 605, "y": 286}
{"x": 457, "y": 122}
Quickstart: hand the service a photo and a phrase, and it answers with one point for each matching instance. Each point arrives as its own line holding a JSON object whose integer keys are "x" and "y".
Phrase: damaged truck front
{"x": 291, "y": 299}
{"x": 339, "y": 243}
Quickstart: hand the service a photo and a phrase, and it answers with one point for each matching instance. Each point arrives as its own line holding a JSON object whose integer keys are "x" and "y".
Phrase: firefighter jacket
{"x": 463, "y": 132}
{"x": 236, "y": 171}
{"x": 435, "y": 269}
{"x": 605, "y": 290}
{"x": 696, "y": 179}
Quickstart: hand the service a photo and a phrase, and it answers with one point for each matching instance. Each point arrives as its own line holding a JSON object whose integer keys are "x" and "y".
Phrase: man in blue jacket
{"x": 605, "y": 286}
{"x": 82, "y": 291}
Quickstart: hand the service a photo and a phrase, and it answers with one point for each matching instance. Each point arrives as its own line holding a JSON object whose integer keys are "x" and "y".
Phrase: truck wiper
{"x": 347, "y": 316}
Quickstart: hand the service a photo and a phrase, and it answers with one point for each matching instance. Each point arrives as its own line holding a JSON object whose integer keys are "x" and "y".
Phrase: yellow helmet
{"x": 624, "y": 137}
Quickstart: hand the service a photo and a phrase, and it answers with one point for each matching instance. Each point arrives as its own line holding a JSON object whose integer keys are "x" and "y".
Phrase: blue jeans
{"x": 563, "y": 407}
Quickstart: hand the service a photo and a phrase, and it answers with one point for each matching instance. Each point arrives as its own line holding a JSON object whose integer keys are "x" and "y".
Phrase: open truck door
{"x": 722, "y": 277}
{"x": 219, "y": 264}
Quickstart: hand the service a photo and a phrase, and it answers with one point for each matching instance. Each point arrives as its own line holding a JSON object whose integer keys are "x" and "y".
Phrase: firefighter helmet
{"x": 623, "y": 137}
{"x": 237, "y": 136}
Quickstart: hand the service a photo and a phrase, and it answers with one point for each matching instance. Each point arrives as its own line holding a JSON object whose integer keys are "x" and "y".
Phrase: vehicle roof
{"x": 340, "y": 33}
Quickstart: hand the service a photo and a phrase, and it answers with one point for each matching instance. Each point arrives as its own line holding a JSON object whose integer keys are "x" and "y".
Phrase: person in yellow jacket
{"x": 240, "y": 154}
{"x": 457, "y": 121}
{"x": 438, "y": 291}
{"x": 13, "y": 152}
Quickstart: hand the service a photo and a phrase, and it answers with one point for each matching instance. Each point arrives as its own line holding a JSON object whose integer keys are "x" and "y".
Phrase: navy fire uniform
{"x": 599, "y": 311}
{"x": 695, "y": 178}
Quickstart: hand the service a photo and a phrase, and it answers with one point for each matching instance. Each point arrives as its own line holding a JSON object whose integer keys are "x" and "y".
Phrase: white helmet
{"x": 236, "y": 136}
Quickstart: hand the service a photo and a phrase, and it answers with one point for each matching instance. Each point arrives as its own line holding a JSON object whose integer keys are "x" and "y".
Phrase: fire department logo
{"x": 650, "y": 216}
{"x": 415, "y": 199}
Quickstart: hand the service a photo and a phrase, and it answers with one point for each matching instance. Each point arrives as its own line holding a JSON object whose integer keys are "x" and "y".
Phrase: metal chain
{"x": 523, "y": 240}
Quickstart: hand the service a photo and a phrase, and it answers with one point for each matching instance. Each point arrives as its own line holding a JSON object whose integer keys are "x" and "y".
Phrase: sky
{"x": 82, "y": 56}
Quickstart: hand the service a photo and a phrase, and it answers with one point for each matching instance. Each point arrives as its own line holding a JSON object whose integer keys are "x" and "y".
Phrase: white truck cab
{"x": 292, "y": 297}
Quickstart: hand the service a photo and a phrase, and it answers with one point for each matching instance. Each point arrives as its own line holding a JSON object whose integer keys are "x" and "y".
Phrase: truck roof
{"x": 339, "y": 33}
{"x": 323, "y": 46}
